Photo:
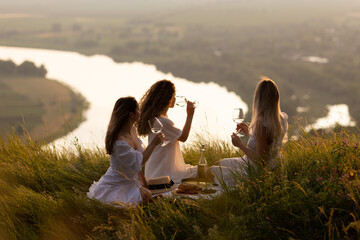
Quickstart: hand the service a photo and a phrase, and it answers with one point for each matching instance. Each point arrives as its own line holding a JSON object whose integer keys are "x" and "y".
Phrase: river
{"x": 102, "y": 81}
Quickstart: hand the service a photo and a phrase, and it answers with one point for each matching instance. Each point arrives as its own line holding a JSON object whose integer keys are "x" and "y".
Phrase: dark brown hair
{"x": 119, "y": 117}
{"x": 153, "y": 103}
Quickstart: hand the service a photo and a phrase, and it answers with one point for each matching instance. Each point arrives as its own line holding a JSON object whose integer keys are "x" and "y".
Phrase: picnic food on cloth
{"x": 188, "y": 188}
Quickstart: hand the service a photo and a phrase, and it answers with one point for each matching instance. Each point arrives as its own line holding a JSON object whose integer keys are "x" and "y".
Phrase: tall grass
{"x": 312, "y": 194}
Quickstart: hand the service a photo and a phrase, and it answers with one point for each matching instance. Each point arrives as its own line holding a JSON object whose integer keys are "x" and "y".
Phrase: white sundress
{"x": 120, "y": 183}
{"x": 168, "y": 160}
{"x": 229, "y": 167}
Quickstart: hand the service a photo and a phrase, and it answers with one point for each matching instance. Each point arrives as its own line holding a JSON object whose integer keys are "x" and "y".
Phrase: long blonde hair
{"x": 266, "y": 110}
{"x": 153, "y": 103}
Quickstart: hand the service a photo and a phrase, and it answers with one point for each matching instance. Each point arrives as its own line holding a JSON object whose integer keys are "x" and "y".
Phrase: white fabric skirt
{"x": 127, "y": 192}
{"x": 229, "y": 168}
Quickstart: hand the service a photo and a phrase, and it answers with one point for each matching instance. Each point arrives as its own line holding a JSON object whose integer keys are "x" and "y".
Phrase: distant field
{"x": 46, "y": 108}
{"x": 228, "y": 42}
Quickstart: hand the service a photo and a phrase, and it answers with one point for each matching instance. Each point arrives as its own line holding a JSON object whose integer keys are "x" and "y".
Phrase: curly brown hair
{"x": 153, "y": 103}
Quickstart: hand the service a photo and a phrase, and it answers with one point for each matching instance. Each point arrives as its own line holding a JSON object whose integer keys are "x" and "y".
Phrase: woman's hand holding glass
{"x": 181, "y": 101}
{"x": 242, "y": 127}
{"x": 159, "y": 138}
{"x": 190, "y": 108}
{"x": 156, "y": 127}
{"x": 238, "y": 117}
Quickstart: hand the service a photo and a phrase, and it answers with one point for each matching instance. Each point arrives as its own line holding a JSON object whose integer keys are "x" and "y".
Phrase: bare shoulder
{"x": 132, "y": 139}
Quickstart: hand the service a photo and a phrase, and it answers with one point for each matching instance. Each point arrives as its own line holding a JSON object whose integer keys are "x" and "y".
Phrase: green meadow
{"x": 314, "y": 193}
{"x": 45, "y": 107}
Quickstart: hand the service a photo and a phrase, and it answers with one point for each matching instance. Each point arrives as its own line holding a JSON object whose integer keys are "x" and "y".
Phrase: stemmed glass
{"x": 182, "y": 100}
{"x": 156, "y": 127}
{"x": 238, "y": 117}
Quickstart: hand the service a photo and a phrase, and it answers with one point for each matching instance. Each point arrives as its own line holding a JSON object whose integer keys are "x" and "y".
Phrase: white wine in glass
{"x": 238, "y": 117}
{"x": 181, "y": 101}
{"x": 156, "y": 127}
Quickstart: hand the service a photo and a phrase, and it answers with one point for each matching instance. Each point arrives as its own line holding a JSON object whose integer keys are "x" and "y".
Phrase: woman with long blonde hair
{"x": 165, "y": 160}
{"x": 267, "y": 131}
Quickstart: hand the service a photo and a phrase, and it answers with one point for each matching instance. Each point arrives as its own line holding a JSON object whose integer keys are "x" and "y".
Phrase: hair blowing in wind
{"x": 155, "y": 102}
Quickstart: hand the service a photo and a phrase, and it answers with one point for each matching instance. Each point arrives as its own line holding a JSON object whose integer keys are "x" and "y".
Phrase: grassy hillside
{"x": 313, "y": 194}
{"x": 46, "y": 108}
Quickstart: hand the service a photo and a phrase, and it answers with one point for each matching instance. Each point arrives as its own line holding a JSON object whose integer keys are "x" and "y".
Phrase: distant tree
{"x": 119, "y": 50}
{"x": 56, "y": 27}
{"x": 7, "y": 67}
{"x": 42, "y": 71}
{"x": 29, "y": 68}
{"x": 86, "y": 44}
{"x": 76, "y": 27}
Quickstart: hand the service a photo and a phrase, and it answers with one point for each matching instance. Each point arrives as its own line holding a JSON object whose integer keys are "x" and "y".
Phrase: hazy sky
{"x": 62, "y": 5}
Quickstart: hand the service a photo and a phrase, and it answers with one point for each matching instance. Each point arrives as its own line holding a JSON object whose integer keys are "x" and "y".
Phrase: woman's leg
{"x": 145, "y": 194}
{"x": 225, "y": 162}
{"x": 209, "y": 174}
{"x": 217, "y": 163}
{"x": 224, "y": 171}
{"x": 142, "y": 180}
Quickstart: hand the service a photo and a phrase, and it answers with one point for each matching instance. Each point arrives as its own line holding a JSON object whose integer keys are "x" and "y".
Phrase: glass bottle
{"x": 202, "y": 165}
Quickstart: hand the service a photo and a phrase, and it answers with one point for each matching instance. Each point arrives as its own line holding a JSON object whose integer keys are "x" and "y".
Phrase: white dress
{"x": 168, "y": 160}
{"x": 120, "y": 183}
{"x": 230, "y": 167}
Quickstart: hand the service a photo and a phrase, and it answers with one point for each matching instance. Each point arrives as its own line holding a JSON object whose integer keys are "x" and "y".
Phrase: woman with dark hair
{"x": 267, "y": 131}
{"x": 165, "y": 160}
{"x": 121, "y": 182}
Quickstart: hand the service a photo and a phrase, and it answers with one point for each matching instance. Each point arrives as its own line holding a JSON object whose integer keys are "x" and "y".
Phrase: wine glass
{"x": 195, "y": 102}
{"x": 156, "y": 127}
{"x": 238, "y": 117}
{"x": 181, "y": 101}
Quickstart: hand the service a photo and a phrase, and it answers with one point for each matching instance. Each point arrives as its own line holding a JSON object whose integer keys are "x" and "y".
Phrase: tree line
{"x": 27, "y": 68}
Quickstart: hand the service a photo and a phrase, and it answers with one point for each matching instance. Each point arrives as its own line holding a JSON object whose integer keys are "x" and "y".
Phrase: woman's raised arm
{"x": 190, "y": 109}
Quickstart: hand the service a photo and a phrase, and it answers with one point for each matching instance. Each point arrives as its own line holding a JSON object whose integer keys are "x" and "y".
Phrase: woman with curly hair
{"x": 168, "y": 159}
{"x": 267, "y": 131}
